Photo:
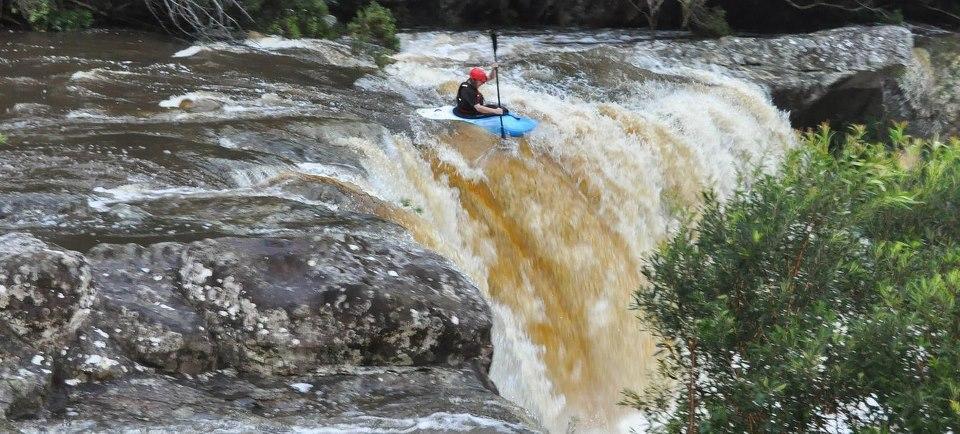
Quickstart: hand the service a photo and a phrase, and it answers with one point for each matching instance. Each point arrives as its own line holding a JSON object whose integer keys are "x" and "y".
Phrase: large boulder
{"x": 45, "y": 296}
{"x": 853, "y": 74}
{"x": 45, "y": 291}
{"x": 868, "y": 75}
{"x": 289, "y": 305}
{"x": 353, "y": 330}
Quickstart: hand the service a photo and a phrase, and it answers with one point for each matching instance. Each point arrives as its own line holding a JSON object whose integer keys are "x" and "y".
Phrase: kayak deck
{"x": 513, "y": 125}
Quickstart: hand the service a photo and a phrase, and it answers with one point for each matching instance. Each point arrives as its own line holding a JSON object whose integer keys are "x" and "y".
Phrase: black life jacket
{"x": 467, "y": 97}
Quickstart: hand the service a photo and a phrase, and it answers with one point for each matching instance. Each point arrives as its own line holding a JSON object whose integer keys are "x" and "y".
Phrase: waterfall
{"x": 554, "y": 227}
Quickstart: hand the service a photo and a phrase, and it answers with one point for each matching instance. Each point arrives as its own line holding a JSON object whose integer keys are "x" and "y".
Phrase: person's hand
{"x": 495, "y": 66}
{"x": 504, "y": 111}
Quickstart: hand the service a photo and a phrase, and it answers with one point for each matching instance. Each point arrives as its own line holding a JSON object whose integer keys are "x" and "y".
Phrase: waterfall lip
{"x": 331, "y": 51}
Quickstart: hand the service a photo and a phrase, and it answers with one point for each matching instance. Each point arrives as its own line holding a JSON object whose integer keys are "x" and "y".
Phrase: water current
{"x": 126, "y": 137}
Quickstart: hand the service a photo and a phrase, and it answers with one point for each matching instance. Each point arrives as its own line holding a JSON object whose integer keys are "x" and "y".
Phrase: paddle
{"x": 493, "y": 37}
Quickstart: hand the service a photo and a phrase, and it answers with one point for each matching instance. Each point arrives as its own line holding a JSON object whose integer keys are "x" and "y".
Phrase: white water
{"x": 554, "y": 229}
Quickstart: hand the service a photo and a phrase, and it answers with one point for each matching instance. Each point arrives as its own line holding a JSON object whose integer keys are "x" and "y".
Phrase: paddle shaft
{"x": 493, "y": 37}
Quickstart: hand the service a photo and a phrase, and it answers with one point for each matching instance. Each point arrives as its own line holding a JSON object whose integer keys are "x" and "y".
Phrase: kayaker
{"x": 470, "y": 102}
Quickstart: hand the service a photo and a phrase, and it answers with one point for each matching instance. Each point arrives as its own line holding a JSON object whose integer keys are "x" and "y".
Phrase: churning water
{"x": 554, "y": 227}
{"x": 233, "y": 139}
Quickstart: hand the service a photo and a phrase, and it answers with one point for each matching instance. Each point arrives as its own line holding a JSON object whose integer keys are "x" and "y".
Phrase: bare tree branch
{"x": 201, "y": 18}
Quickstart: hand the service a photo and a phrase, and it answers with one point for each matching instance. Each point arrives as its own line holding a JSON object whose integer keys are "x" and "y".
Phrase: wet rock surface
{"x": 346, "y": 399}
{"x": 338, "y": 329}
{"x": 142, "y": 312}
{"x": 854, "y": 74}
{"x": 846, "y": 75}
{"x": 279, "y": 305}
{"x": 45, "y": 298}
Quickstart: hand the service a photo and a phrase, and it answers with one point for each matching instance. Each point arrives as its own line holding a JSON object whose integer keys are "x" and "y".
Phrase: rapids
{"x": 134, "y": 138}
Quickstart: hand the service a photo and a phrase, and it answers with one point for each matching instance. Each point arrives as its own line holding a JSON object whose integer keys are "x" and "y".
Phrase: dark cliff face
{"x": 744, "y": 16}
{"x": 474, "y": 14}
{"x": 757, "y": 16}
{"x": 777, "y": 16}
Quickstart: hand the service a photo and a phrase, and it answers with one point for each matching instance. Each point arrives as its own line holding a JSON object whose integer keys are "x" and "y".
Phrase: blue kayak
{"x": 513, "y": 125}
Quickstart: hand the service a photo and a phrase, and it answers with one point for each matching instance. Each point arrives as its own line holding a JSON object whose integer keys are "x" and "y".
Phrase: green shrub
{"x": 3, "y": 139}
{"x": 293, "y": 18}
{"x": 47, "y": 15}
{"x": 375, "y": 24}
{"x": 712, "y": 23}
{"x": 703, "y": 20}
{"x": 828, "y": 287}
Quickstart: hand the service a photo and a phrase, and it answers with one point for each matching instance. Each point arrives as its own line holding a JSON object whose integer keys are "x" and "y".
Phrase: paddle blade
{"x": 493, "y": 37}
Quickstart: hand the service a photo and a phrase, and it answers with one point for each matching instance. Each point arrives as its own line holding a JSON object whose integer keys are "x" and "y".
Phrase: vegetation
{"x": 3, "y": 139}
{"x": 697, "y": 15}
{"x": 293, "y": 18}
{"x": 709, "y": 21}
{"x": 46, "y": 15}
{"x": 375, "y": 24}
{"x": 209, "y": 18}
{"x": 314, "y": 18}
{"x": 824, "y": 296}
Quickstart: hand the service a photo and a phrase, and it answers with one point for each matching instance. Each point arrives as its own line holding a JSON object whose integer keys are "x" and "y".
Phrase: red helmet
{"x": 478, "y": 75}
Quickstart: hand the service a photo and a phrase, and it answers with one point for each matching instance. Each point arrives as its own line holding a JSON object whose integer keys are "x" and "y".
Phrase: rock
{"x": 293, "y": 318}
{"x": 200, "y": 105}
{"x": 283, "y": 306}
{"x": 8, "y": 427}
{"x": 24, "y": 385}
{"x": 852, "y": 74}
{"x": 94, "y": 360}
{"x": 280, "y": 306}
{"x": 29, "y": 109}
{"x": 848, "y": 75}
{"x": 142, "y": 310}
{"x": 45, "y": 296}
{"x": 345, "y": 399}
{"x": 45, "y": 292}
{"x": 936, "y": 77}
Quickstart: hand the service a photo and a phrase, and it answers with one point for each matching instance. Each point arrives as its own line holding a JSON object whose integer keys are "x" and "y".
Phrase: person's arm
{"x": 493, "y": 72}
{"x": 482, "y": 109}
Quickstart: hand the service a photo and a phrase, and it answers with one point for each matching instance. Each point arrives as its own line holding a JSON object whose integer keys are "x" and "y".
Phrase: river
{"x": 130, "y": 137}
